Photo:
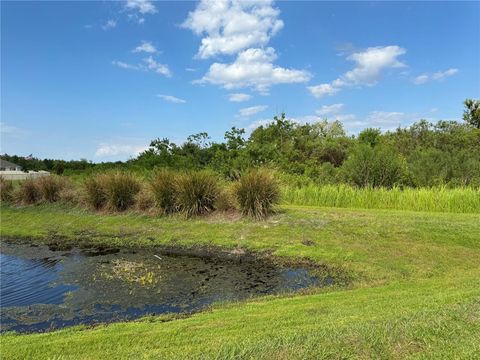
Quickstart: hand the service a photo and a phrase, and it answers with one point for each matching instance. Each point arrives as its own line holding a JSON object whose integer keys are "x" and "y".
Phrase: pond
{"x": 42, "y": 289}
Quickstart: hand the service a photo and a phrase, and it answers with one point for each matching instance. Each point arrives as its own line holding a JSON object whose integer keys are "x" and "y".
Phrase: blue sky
{"x": 99, "y": 80}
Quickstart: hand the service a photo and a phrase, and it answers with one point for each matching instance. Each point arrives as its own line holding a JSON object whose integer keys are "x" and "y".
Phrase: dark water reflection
{"x": 43, "y": 289}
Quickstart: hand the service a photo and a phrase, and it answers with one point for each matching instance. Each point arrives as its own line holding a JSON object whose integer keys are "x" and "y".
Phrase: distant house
{"x": 8, "y": 166}
{"x": 11, "y": 171}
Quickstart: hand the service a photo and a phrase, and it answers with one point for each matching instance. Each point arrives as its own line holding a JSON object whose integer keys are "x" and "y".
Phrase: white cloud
{"x": 258, "y": 123}
{"x": 150, "y": 65}
{"x": 229, "y": 26}
{"x": 444, "y": 74}
{"x": 8, "y": 129}
{"x": 239, "y": 97}
{"x": 252, "y": 110}
{"x": 253, "y": 68}
{"x": 108, "y": 150}
{"x": 124, "y": 65}
{"x": 172, "y": 99}
{"x": 110, "y": 24}
{"x": 369, "y": 65}
{"x": 190, "y": 69}
{"x": 145, "y": 46}
{"x": 330, "y": 109}
{"x": 421, "y": 79}
{"x": 141, "y": 6}
{"x": 438, "y": 76}
{"x": 156, "y": 67}
{"x": 322, "y": 89}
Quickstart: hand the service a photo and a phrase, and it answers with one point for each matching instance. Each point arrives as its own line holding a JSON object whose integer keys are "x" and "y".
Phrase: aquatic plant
{"x": 257, "y": 192}
{"x": 440, "y": 199}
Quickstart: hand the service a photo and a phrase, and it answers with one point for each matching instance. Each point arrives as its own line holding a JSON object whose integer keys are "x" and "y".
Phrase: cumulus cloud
{"x": 149, "y": 64}
{"x": 252, "y": 110}
{"x": 145, "y": 46}
{"x": 229, "y": 26}
{"x": 437, "y": 76}
{"x": 239, "y": 97}
{"x": 109, "y": 150}
{"x": 253, "y": 68}
{"x": 369, "y": 65}
{"x": 172, "y": 99}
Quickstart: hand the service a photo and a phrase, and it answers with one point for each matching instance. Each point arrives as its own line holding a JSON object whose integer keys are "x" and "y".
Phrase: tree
{"x": 471, "y": 114}
{"x": 370, "y": 136}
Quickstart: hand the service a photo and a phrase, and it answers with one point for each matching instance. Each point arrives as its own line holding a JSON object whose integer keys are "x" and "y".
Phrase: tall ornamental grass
{"x": 94, "y": 192}
{"x": 29, "y": 192}
{"x": 196, "y": 192}
{"x": 6, "y": 190}
{"x": 257, "y": 192}
{"x": 120, "y": 190}
{"x": 437, "y": 199}
{"x": 163, "y": 186}
{"x": 50, "y": 187}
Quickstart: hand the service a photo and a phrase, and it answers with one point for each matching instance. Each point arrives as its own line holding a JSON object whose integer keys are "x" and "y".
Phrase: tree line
{"x": 423, "y": 154}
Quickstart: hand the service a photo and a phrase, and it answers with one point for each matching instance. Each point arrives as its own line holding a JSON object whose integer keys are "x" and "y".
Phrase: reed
{"x": 437, "y": 199}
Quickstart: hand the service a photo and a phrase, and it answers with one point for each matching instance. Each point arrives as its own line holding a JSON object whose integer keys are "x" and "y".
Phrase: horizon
{"x": 99, "y": 81}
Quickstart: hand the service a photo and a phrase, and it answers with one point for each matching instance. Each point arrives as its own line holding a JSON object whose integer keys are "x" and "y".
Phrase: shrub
{"x": 29, "y": 192}
{"x": 50, "y": 187}
{"x": 163, "y": 189}
{"x": 95, "y": 195}
{"x": 120, "y": 190}
{"x": 257, "y": 192}
{"x": 375, "y": 167}
{"x": 196, "y": 192}
{"x": 6, "y": 190}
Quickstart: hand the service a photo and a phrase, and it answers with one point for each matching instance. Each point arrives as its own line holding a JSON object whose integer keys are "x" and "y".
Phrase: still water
{"x": 44, "y": 290}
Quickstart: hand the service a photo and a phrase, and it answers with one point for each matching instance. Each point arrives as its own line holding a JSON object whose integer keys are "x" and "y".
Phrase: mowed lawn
{"x": 415, "y": 291}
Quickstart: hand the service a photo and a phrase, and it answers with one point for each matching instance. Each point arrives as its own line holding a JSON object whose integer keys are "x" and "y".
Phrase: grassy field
{"x": 416, "y": 289}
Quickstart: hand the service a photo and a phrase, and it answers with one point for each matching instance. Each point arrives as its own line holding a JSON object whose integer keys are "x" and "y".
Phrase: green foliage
{"x": 120, "y": 190}
{"x": 50, "y": 187}
{"x": 164, "y": 190}
{"x": 370, "y": 137}
{"x": 196, "y": 192}
{"x": 29, "y": 192}
{"x": 257, "y": 192}
{"x": 422, "y": 154}
{"x": 471, "y": 113}
{"x": 6, "y": 190}
{"x": 374, "y": 167}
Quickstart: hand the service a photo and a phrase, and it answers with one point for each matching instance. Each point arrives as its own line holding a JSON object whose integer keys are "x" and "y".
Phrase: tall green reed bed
{"x": 439, "y": 199}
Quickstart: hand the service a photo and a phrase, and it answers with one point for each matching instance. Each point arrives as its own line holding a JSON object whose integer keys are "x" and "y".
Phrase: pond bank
{"x": 417, "y": 292}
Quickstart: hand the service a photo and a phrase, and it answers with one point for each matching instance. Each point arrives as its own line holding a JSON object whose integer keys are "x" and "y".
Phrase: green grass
{"x": 416, "y": 293}
{"x": 441, "y": 199}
